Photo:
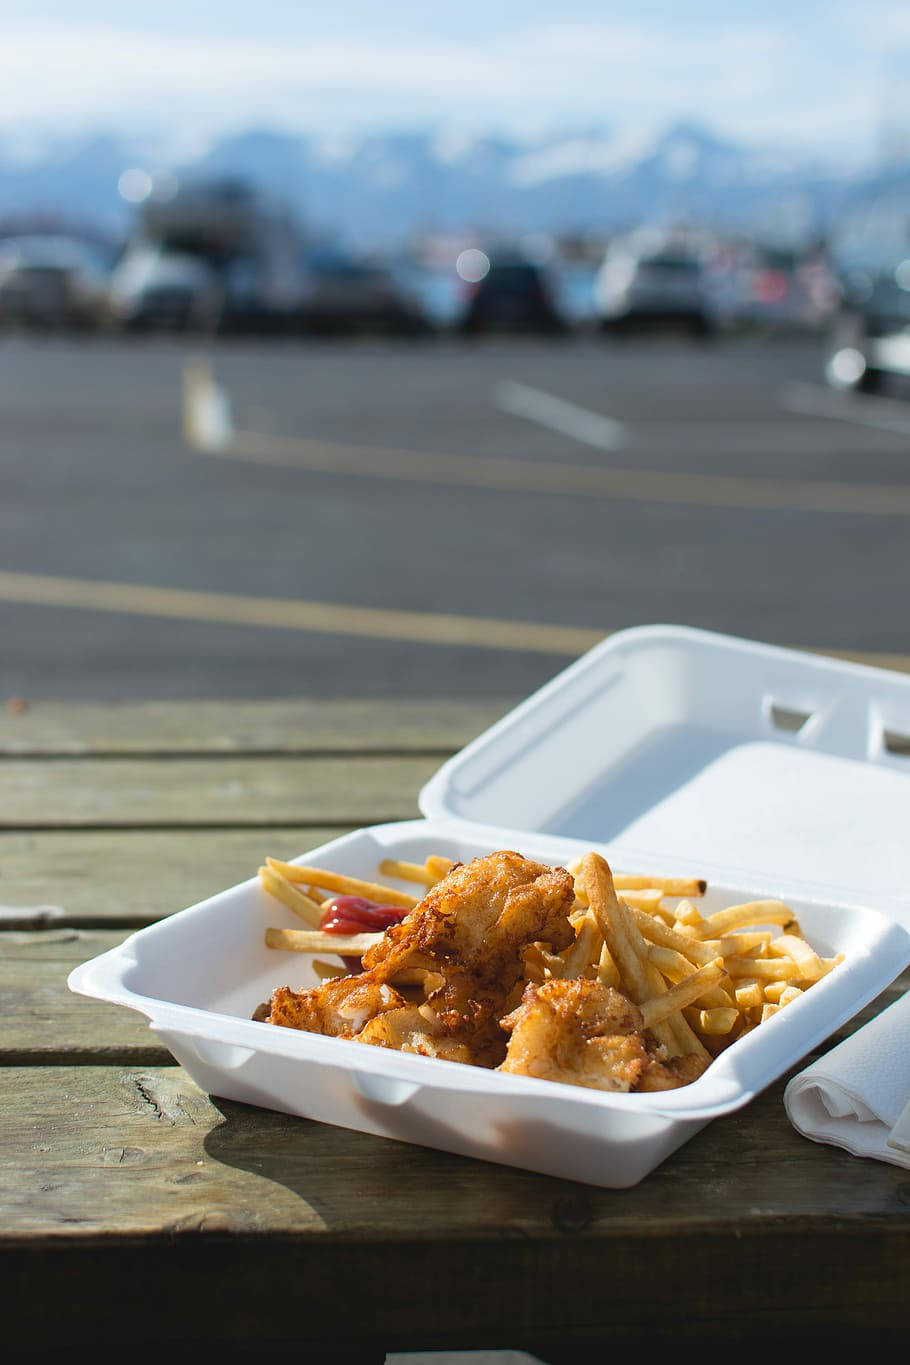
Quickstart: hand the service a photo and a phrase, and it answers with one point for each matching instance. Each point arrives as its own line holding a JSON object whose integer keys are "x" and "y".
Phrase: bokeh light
{"x": 472, "y": 265}
{"x": 134, "y": 185}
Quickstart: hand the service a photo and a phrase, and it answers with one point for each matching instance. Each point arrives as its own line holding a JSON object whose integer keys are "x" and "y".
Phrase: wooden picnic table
{"x": 135, "y": 1209}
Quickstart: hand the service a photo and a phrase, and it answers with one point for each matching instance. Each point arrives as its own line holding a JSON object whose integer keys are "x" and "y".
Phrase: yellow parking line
{"x": 538, "y": 476}
{"x": 328, "y": 618}
{"x": 208, "y": 428}
{"x": 278, "y": 613}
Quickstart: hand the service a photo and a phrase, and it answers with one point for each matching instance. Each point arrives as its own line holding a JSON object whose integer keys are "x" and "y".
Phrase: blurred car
{"x": 646, "y": 285}
{"x": 342, "y": 293}
{"x": 211, "y": 254}
{"x": 53, "y": 281}
{"x": 870, "y": 337}
{"x": 155, "y": 288}
{"x": 506, "y": 292}
{"x": 778, "y": 289}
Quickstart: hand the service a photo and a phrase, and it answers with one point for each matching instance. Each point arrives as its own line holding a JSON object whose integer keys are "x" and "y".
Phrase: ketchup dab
{"x": 357, "y": 915}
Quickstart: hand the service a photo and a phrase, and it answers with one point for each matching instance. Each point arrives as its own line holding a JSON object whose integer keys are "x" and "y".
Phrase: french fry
{"x": 580, "y": 957}
{"x": 327, "y": 971}
{"x": 748, "y": 993}
{"x": 627, "y": 948}
{"x": 607, "y": 973}
{"x": 407, "y": 872}
{"x": 781, "y": 992}
{"x": 438, "y": 867}
{"x": 660, "y": 1007}
{"x": 647, "y": 898}
{"x": 655, "y": 931}
{"x": 317, "y": 941}
{"x": 732, "y": 945}
{"x": 668, "y": 886}
{"x": 343, "y": 886}
{"x": 811, "y": 967}
{"x": 716, "y": 1022}
{"x": 297, "y": 901}
{"x": 743, "y": 916}
{"x": 687, "y": 1040}
{"x": 676, "y": 968}
{"x": 688, "y": 916}
{"x": 765, "y": 968}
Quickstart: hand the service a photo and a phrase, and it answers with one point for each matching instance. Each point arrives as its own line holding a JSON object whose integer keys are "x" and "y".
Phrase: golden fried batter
{"x": 465, "y": 939}
{"x": 578, "y": 1032}
{"x": 583, "y": 1033}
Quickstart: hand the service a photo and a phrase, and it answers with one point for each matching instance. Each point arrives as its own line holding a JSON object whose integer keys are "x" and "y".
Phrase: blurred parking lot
{"x": 445, "y": 517}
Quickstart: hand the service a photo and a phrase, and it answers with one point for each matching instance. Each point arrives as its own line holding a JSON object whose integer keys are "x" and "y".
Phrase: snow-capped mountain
{"x": 383, "y": 188}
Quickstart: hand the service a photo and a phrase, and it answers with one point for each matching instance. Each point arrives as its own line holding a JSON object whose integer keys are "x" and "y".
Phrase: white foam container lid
{"x": 773, "y": 773}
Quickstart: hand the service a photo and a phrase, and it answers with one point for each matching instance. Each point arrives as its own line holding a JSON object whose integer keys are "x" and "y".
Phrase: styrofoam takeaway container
{"x": 771, "y": 772}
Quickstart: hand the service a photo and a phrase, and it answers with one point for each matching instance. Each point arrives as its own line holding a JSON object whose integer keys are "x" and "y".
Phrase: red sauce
{"x": 357, "y": 915}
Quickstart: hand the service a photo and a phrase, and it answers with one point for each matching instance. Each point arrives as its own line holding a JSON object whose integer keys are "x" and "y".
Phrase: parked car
{"x": 153, "y": 288}
{"x": 776, "y": 289}
{"x": 213, "y": 254}
{"x": 642, "y": 285}
{"x": 870, "y": 337}
{"x": 53, "y": 281}
{"x": 342, "y": 293}
{"x": 504, "y": 291}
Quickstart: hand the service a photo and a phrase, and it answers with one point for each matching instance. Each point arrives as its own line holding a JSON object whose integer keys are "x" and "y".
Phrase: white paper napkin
{"x": 858, "y": 1095}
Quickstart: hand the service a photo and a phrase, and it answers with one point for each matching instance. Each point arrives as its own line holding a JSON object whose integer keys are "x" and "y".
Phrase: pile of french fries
{"x": 700, "y": 981}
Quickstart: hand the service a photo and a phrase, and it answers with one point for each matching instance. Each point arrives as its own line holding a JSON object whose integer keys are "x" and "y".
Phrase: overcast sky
{"x": 799, "y": 72}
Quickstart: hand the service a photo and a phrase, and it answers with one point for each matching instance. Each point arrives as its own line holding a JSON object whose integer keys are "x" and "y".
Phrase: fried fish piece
{"x": 578, "y": 1032}
{"x": 340, "y": 1007}
{"x": 466, "y": 937}
{"x": 483, "y": 911}
{"x": 583, "y": 1033}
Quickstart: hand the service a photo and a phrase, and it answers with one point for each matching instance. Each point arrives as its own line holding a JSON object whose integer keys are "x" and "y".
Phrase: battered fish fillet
{"x": 465, "y": 941}
{"x": 582, "y": 1033}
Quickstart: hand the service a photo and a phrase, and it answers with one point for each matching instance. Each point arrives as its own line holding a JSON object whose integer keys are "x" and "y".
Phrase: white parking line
{"x": 558, "y": 414}
{"x": 814, "y": 400}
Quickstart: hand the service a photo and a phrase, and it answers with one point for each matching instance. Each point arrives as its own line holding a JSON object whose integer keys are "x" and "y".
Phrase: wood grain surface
{"x": 148, "y": 793}
{"x": 133, "y": 877}
{"x": 245, "y": 727}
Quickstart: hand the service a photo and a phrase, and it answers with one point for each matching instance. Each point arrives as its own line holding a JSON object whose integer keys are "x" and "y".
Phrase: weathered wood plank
{"x": 133, "y": 877}
{"x": 42, "y": 1021}
{"x": 293, "y": 726}
{"x": 169, "y": 1125}
{"x": 128, "y": 1183}
{"x": 44, "y": 793}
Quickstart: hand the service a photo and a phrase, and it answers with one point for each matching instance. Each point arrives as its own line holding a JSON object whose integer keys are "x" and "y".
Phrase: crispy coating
{"x": 583, "y": 1033}
{"x": 340, "y": 1007}
{"x": 465, "y": 940}
{"x": 480, "y": 916}
{"x": 578, "y": 1032}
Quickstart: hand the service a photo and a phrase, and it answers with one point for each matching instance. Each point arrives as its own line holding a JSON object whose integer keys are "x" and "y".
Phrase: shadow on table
{"x": 339, "y": 1171}
{"x": 399, "y": 1203}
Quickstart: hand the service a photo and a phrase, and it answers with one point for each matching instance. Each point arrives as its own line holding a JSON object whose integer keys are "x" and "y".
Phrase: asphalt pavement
{"x": 435, "y": 518}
